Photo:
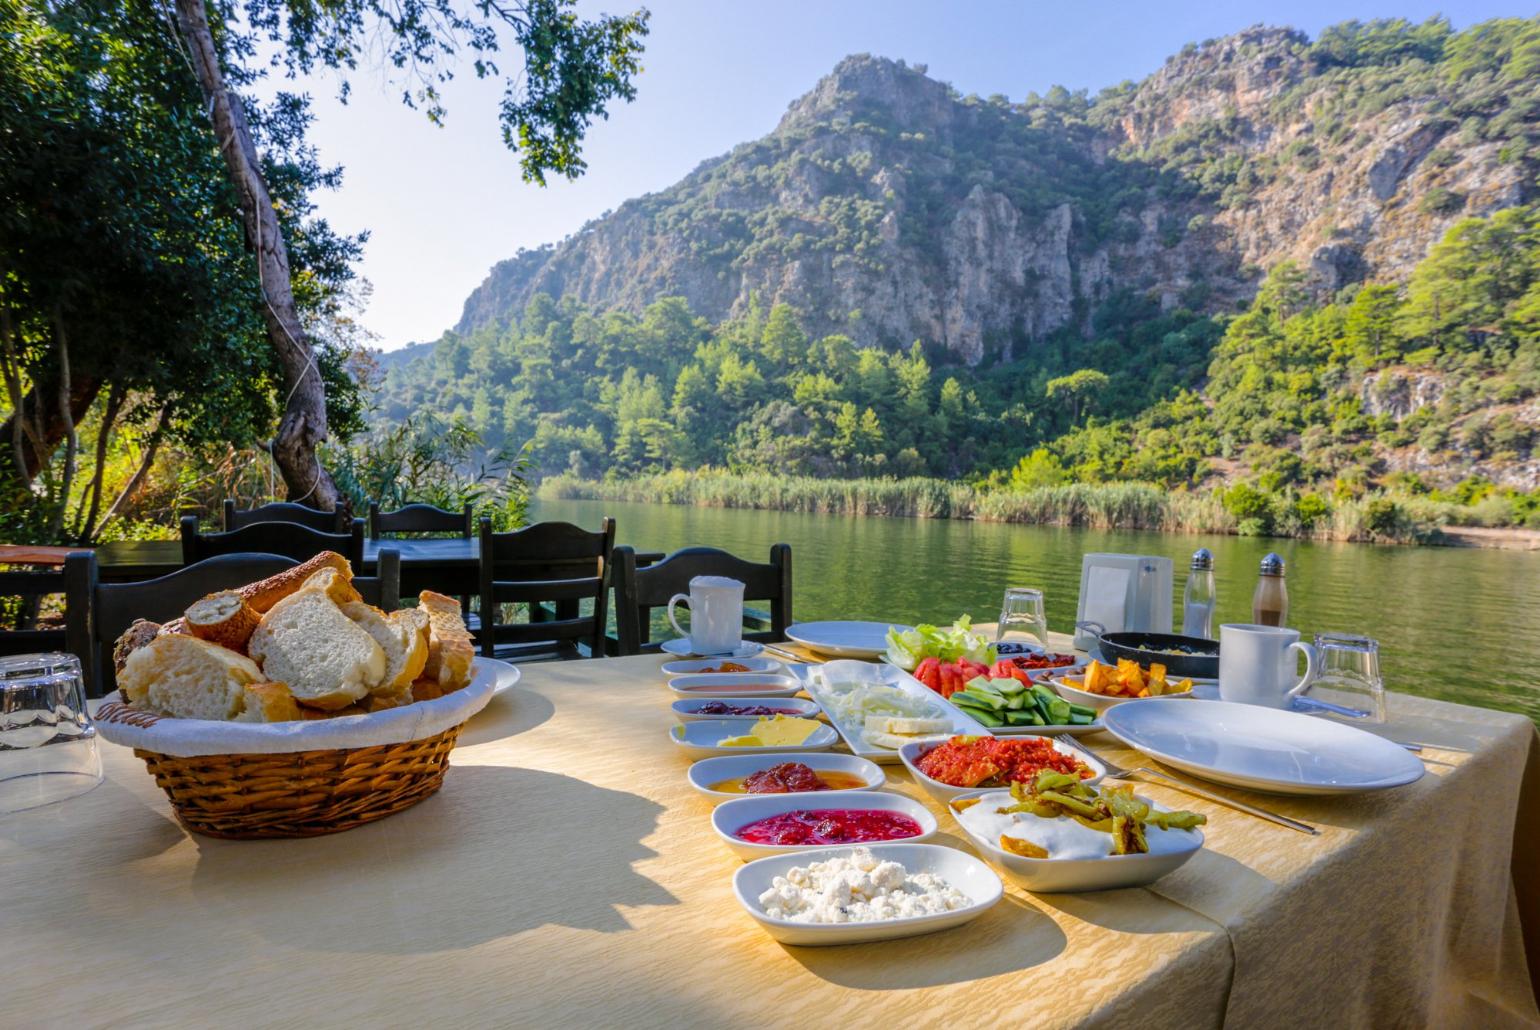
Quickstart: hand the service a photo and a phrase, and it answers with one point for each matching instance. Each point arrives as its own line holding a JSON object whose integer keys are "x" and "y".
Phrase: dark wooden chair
{"x": 105, "y": 610}
{"x": 289, "y": 539}
{"x": 279, "y": 511}
{"x": 553, "y": 563}
{"x": 30, "y": 586}
{"x": 419, "y": 518}
{"x": 639, "y": 591}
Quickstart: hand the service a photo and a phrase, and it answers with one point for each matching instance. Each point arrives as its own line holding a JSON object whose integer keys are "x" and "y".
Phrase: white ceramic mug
{"x": 716, "y": 614}
{"x": 1257, "y": 665}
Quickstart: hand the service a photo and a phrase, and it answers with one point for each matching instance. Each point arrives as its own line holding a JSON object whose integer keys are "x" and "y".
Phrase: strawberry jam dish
{"x": 830, "y": 826}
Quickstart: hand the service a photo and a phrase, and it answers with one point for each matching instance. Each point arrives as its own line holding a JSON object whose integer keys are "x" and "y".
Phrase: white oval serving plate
{"x": 732, "y": 815}
{"x": 912, "y": 752}
{"x": 844, "y": 638}
{"x": 736, "y": 684}
{"x": 699, "y": 666}
{"x": 687, "y": 709}
{"x": 1264, "y": 749}
{"x": 1067, "y": 875}
{"x": 699, "y": 739}
{"x": 730, "y": 767}
{"x": 957, "y": 868}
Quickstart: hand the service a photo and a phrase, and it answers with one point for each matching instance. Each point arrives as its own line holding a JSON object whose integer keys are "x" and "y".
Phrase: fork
{"x": 1117, "y": 772}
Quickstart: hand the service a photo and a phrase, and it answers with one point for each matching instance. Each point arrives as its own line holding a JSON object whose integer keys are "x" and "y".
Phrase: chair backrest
{"x": 107, "y": 609}
{"x": 549, "y": 562}
{"x": 40, "y": 584}
{"x": 279, "y": 511}
{"x": 638, "y": 591}
{"x": 418, "y": 518}
{"x": 289, "y": 539}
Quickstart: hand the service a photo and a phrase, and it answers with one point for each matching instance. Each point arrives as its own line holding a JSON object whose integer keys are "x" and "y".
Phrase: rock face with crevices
{"x": 887, "y": 207}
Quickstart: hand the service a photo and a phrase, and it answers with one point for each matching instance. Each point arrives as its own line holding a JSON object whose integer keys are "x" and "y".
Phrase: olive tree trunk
{"x": 303, "y": 425}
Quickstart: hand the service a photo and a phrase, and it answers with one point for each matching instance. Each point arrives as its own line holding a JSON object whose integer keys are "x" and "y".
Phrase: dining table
{"x": 449, "y": 565}
{"x": 567, "y": 875}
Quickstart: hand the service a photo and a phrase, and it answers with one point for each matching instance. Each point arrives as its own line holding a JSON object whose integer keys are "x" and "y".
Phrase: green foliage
{"x": 424, "y": 459}
{"x": 571, "y": 68}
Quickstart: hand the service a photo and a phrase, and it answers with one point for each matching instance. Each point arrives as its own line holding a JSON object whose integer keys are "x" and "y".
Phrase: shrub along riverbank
{"x": 1378, "y": 517}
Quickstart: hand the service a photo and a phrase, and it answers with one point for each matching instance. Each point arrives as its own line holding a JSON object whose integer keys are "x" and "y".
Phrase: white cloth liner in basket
{"x": 190, "y": 738}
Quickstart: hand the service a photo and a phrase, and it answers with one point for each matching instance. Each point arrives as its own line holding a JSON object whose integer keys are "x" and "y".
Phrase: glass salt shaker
{"x": 1200, "y": 598}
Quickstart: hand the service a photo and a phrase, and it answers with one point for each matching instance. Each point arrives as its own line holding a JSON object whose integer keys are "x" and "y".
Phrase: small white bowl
{"x": 699, "y": 739}
{"x": 735, "y": 684}
{"x": 1067, "y": 875}
{"x": 730, "y": 767}
{"x": 687, "y": 709}
{"x": 1101, "y": 702}
{"x": 911, "y": 753}
{"x": 970, "y": 876}
{"x": 698, "y": 666}
{"x": 731, "y": 816}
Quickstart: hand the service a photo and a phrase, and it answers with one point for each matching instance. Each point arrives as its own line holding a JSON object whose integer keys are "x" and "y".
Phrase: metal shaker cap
{"x": 1272, "y": 565}
{"x": 1202, "y": 560}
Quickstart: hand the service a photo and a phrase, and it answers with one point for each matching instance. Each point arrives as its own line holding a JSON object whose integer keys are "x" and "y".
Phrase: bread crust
{"x": 450, "y": 648}
{"x": 269, "y": 702}
{"x": 132, "y": 639}
{"x": 265, "y": 593}
{"x": 334, "y": 585}
{"x": 223, "y": 618}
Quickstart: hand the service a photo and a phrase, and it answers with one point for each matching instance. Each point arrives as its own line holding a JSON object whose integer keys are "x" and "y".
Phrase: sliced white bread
{"x": 326, "y": 659}
{"x": 450, "y": 650}
{"x": 404, "y": 641}
{"x": 268, "y": 702}
{"x": 223, "y": 618}
{"x": 187, "y": 678}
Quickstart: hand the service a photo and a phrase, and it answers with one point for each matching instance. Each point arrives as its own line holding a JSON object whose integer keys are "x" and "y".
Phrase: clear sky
{"x": 444, "y": 204}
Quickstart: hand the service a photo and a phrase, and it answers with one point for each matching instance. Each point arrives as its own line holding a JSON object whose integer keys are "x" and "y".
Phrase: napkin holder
{"x": 1122, "y": 593}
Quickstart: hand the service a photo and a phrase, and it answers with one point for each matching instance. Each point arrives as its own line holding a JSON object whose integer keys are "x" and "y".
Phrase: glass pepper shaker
{"x": 1270, "y": 602}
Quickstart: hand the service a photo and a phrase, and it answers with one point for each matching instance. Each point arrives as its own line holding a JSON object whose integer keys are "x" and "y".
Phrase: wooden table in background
{"x": 567, "y": 875}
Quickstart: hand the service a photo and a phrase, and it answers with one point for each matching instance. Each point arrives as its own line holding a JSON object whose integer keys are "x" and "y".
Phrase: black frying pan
{"x": 1144, "y": 648}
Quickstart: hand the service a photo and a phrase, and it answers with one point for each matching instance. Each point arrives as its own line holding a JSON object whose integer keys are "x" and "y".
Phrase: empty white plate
{"x": 960, "y": 870}
{"x": 844, "y": 639}
{"x": 1265, "y": 749}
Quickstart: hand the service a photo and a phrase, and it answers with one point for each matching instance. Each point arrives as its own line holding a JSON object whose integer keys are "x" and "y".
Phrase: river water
{"x": 1460, "y": 624}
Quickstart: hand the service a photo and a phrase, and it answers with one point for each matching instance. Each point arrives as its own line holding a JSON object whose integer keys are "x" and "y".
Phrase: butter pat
{"x": 747, "y": 740}
{"x": 784, "y": 730}
{"x": 777, "y": 731}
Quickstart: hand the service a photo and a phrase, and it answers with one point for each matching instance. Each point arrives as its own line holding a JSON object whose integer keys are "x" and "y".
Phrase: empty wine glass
{"x": 1022, "y": 620}
{"x": 47, "y": 743}
{"x": 1348, "y": 674}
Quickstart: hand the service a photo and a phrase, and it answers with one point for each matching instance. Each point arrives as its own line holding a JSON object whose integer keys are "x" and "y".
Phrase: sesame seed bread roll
{"x": 132, "y": 639}
{"x": 265, "y": 593}
{"x": 223, "y": 618}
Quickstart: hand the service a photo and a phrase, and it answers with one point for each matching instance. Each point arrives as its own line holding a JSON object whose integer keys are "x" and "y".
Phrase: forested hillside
{"x": 1301, "y": 270}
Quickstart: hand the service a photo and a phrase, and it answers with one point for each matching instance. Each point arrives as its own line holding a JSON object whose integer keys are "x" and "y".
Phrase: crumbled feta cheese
{"x": 857, "y": 888}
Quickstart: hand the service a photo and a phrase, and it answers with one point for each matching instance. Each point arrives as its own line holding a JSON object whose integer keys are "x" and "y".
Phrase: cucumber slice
{"x": 987, "y": 718}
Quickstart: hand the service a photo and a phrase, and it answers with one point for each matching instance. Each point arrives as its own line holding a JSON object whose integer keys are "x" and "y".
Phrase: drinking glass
{"x": 1348, "y": 674}
{"x": 47, "y": 743}
{"x": 1022, "y": 620}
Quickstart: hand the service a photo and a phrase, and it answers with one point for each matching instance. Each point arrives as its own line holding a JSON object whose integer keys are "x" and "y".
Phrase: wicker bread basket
{"x": 254, "y": 780}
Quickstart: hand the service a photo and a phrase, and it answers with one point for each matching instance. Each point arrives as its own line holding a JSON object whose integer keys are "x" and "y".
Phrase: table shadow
{"x": 122, "y": 841}
{"x": 1011, "y": 937}
{"x": 444, "y": 874}
{"x": 512, "y": 712}
{"x": 1215, "y": 883}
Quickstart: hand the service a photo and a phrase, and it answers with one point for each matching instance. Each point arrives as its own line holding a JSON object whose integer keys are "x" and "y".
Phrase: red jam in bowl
{"x": 830, "y": 826}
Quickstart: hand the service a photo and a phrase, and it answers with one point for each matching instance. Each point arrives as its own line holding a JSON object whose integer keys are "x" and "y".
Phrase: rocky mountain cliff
{"x": 889, "y": 208}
